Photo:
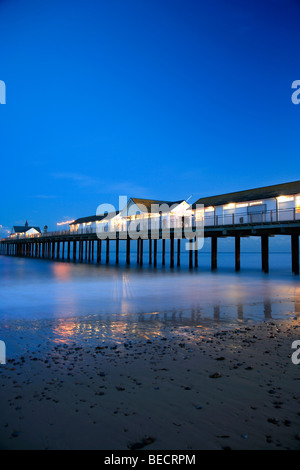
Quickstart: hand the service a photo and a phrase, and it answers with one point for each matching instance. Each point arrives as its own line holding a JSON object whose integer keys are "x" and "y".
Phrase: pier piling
{"x": 265, "y": 253}
{"x": 237, "y": 253}
{"x": 295, "y": 253}
{"x": 214, "y": 253}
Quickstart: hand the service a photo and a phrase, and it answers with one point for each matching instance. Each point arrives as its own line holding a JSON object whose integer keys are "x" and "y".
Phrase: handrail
{"x": 210, "y": 220}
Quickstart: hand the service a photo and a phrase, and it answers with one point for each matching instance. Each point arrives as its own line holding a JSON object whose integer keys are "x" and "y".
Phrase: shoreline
{"x": 220, "y": 389}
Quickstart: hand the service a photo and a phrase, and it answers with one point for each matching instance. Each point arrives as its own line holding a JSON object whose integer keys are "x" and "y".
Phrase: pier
{"x": 263, "y": 212}
{"x": 90, "y": 248}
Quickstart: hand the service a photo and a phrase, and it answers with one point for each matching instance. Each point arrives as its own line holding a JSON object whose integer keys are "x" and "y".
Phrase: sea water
{"x": 62, "y": 302}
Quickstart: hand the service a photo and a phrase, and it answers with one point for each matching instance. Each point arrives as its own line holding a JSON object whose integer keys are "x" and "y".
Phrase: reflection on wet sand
{"x": 66, "y": 302}
{"x": 240, "y": 312}
{"x": 267, "y": 310}
{"x": 120, "y": 328}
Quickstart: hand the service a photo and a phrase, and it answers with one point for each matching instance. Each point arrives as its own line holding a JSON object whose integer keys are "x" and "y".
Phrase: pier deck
{"x": 84, "y": 246}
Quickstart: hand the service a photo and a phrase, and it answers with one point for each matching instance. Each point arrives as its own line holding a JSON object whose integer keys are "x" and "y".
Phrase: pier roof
{"x": 24, "y": 228}
{"x": 142, "y": 203}
{"x": 94, "y": 218}
{"x": 266, "y": 192}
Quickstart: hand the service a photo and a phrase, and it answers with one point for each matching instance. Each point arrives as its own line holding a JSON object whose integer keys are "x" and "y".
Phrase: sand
{"x": 193, "y": 389}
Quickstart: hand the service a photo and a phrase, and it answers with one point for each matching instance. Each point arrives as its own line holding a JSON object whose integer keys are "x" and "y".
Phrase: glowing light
{"x": 257, "y": 203}
{"x": 239, "y": 206}
{"x": 209, "y": 209}
{"x": 65, "y": 223}
{"x": 285, "y": 198}
{"x": 230, "y": 206}
{"x": 298, "y": 204}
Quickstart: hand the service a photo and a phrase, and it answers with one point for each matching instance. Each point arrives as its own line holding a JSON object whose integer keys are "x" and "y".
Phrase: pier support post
{"x": 117, "y": 250}
{"x": 163, "y": 251}
{"x": 128, "y": 251}
{"x": 53, "y": 250}
{"x": 90, "y": 250}
{"x": 172, "y": 252}
{"x": 69, "y": 251}
{"x": 57, "y": 250}
{"x": 265, "y": 253}
{"x": 295, "y": 253}
{"x": 93, "y": 250}
{"x": 150, "y": 251}
{"x": 178, "y": 252}
{"x": 237, "y": 253}
{"x": 196, "y": 253}
{"x": 98, "y": 251}
{"x": 74, "y": 250}
{"x": 107, "y": 250}
{"x": 190, "y": 254}
{"x": 214, "y": 253}
{"x": 138, "y": 251}
{"x": 155, "y": 253}
{"x": 141, "y": 251}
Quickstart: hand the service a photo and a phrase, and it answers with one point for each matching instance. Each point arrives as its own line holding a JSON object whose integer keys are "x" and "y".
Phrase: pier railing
{"x": 211, "y": 219}
{"x": 246, "y": 218}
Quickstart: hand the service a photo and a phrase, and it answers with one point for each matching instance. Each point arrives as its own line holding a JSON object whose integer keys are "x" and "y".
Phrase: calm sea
{"x": 44, "y": 302}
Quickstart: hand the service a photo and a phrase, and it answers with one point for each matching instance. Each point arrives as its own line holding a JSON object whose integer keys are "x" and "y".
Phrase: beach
{"x": 194, "y": 388}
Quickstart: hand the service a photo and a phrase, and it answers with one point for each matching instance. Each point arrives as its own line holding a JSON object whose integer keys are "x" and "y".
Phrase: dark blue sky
{"x": 145, "y": 98}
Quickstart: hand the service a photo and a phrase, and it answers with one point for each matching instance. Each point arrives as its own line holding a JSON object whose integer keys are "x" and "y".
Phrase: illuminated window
{"x": 256, "y": 203}
{"x": 298, "y": 204}
{"x": 229, "y": 206}
{"x": 285, "y": 198}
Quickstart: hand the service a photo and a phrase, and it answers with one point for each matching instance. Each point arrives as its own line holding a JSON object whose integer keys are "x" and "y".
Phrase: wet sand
{"x": 197, "y": 389}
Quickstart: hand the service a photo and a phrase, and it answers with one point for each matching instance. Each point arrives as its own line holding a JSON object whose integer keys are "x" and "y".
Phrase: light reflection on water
{"x": 63, "y": 302}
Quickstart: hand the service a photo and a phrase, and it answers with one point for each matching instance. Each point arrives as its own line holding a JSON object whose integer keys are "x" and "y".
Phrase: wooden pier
{"x": 92, "y": 249}
{"x": 261, "y": 212}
